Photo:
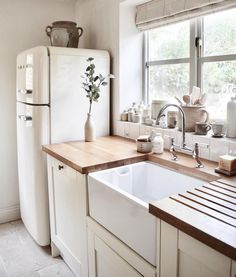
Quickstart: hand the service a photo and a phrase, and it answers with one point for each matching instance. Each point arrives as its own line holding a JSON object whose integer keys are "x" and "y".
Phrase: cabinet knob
{"x": 60, "y": 167}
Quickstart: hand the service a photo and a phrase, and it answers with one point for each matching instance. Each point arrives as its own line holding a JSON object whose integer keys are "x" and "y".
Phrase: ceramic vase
{"x": 89, "y": 129}
{"x": 64, "y": 34}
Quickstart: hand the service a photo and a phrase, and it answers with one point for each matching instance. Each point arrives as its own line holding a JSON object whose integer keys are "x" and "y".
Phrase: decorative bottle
{"x": 89, "y": 129}
{"x": 231, "y": 118}
{"x": 158, "y": 144}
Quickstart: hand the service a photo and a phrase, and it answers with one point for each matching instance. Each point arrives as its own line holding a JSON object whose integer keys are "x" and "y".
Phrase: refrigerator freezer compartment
{"x": 32, "y": 76}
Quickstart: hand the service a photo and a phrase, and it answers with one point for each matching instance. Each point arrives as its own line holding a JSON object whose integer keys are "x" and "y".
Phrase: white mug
{"x": 217, "y": 128}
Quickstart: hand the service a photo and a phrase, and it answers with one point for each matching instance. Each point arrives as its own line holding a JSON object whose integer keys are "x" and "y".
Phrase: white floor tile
{"x": 58, "y": 270}
{"x": 20, "y": 256}
{"x": 3, "y": 272}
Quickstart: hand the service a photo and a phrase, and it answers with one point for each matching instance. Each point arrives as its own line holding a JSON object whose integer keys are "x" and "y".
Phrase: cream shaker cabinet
{"x": 109, "y": 257}
{"x": 68, "y": 211}
{"x": 184, "y": 256}
{"x": 233, "y": 274}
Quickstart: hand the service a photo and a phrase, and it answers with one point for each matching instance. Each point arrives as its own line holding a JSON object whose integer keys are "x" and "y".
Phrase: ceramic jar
{"x": 124, "y": 116}
{"x": 172, "y": 119}
{"x": 89, "y": 129}
{"x": 156, "y": 107}
{"x": 136, "y": 118}
{"x": 193, "y": 114}
{"x": 64, "y": 34}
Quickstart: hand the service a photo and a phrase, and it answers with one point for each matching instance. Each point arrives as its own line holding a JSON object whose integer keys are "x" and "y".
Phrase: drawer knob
{"x": 60, "y": 167}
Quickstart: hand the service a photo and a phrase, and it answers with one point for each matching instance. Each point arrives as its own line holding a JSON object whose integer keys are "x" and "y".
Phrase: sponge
{"x": 227, "y": 163}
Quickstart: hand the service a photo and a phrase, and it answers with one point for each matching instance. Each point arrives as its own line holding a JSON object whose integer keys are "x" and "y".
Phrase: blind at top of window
{"x": 157, "y": 13}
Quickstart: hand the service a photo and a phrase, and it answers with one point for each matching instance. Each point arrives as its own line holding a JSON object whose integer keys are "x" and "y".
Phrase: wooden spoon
{"x": 203, "y": 99}
{"x": 186, "y": 99}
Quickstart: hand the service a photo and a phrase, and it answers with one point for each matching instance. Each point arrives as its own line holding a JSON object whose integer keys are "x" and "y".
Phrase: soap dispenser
{"x": 231, "y": 118}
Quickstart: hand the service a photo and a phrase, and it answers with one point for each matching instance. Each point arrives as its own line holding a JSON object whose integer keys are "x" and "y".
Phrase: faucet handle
{"x": 169, "y": 141}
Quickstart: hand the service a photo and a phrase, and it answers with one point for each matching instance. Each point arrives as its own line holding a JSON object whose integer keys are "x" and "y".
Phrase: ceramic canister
{"x": 193, "y": 114}
{"x": 156, "y": 107}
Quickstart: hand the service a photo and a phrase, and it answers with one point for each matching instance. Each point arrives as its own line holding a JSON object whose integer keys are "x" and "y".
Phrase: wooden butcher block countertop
{"x": 207, "y": 213}
{"x": 105, "y": 152}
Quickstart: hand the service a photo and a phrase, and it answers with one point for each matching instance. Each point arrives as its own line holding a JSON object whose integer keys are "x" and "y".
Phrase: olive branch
{"x": 92, "y": 83}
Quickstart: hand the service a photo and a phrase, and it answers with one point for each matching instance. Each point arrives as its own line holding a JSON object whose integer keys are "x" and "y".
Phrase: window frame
{"x": 196, "y": 59}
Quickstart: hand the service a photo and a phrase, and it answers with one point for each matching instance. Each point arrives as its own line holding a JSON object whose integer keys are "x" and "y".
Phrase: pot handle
{"x": 48, "y": 30}
{"x": 207, "y": 115}
{"x": 80, "y": 31}
{"x": 208, "y": 128}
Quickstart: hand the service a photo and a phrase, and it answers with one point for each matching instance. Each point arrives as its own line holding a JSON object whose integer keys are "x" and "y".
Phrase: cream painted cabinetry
{"x": 233, "y": 274}
{"x": 184, "y": 256}
{"x": 68, "y": 211}
{"x": 108, "y": 256}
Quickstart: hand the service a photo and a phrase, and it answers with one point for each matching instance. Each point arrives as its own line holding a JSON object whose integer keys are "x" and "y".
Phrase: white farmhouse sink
{"x": 119, "y": 197}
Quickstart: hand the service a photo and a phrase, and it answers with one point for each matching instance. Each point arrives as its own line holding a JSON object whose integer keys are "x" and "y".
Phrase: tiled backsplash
{"x": 210, "y": 148}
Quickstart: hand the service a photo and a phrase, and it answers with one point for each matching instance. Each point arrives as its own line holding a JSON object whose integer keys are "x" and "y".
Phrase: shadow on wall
{"x": 25, "y": 22}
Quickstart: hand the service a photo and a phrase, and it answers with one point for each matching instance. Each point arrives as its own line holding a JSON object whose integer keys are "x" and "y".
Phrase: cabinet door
{"x": 68, "y": 210}
{"x": 109, "y": 263}
{"x": 109, "y": 257}
{"x": 196, "y": 259}
{"x": 184, "y": 256}
{"x": 233, "y": 273}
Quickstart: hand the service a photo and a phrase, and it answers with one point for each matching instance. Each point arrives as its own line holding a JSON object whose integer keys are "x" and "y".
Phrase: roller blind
{"x": 156, "y": 13}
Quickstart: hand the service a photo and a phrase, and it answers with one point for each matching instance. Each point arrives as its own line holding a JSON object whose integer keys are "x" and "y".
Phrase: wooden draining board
{"x": 207, "y": 213}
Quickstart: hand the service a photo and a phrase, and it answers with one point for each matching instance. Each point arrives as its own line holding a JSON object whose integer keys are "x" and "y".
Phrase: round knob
{"x": 60, "y": 167}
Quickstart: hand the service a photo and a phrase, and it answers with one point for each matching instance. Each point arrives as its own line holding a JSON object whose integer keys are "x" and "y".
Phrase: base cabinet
{"x": 233, "y": 274}
{"x": 108, "y": 256}
{"x": 184, "y": 256}
{"x": 68, "y": 211}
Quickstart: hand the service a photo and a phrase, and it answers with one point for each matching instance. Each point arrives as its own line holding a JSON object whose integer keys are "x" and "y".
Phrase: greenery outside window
{"x": 200, "y": 52}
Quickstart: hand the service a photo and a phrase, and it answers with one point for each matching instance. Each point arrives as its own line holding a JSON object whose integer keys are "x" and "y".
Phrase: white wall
{"x": 100, "y": 20}
{"x": 22, "y": 24}
{"x": 110, "y": 25}
{"x": 130, "y": 57}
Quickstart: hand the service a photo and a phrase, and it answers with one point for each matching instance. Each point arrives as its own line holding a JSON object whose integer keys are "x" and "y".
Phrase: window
{"x": 199, "y": 52}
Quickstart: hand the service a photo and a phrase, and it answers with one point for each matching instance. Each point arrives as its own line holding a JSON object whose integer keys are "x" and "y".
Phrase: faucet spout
{"x": 183, "y": 119}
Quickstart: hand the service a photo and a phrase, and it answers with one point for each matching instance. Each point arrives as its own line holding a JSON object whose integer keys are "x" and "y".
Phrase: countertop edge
{"x": 207, "y": 239}
{"x": 95, "y": 167}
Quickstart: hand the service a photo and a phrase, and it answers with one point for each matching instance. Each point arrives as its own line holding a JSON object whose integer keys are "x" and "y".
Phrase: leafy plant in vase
{"x": 92, "y": 83}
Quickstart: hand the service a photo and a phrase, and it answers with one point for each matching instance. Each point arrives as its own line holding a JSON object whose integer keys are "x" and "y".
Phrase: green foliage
{"x": 92, "y": 82}
{"x": 172, "y": 42}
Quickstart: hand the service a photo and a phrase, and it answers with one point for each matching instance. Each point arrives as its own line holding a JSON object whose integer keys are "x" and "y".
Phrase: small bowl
{"x": 144, "y": 146}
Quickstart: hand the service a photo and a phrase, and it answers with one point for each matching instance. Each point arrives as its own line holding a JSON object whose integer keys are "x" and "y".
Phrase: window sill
{"x": 216, "y": 146}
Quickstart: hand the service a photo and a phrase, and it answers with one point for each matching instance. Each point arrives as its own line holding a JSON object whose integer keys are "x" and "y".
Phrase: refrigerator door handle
{"x": 25, "y": 91}
{"x": 25, "y": 117}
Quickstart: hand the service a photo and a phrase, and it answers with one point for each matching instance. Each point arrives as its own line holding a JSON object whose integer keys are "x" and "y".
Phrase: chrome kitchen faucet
{"x": 181, "y": 148}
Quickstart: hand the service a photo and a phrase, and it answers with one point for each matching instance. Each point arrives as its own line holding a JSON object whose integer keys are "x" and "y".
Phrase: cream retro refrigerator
{"x": 51, "y": 108}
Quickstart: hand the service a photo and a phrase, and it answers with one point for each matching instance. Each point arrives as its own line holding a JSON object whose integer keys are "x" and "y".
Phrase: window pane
{"x": 167, "y": 81}
{"x": 219, "y": 82}
{"x": 220, "y": 33}
{"x": 169, "y": 42}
